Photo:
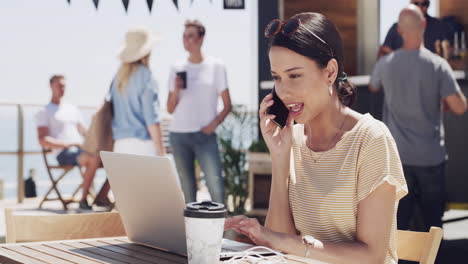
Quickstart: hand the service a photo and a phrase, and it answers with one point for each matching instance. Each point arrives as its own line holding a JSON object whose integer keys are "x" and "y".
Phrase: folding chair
{"x": 22, "y": 227}
{"x": 419, "y": 246}
{"x": 65, "y": 170}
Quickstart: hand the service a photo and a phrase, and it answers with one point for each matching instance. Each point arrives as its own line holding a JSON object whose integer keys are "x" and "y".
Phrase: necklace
{"x": 331, "y": 142}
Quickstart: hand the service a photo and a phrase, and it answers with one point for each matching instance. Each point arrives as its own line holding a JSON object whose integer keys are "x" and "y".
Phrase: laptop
{"x": 151, "y": 203}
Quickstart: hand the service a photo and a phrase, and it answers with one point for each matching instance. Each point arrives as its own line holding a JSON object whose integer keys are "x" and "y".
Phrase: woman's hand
{"x": 251, "y": 228}
{"x": 278, "y": 140}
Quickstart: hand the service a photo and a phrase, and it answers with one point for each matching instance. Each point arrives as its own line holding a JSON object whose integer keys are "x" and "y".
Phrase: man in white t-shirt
{"x": 195, "y": 86}
{"x": 60, "y": 127}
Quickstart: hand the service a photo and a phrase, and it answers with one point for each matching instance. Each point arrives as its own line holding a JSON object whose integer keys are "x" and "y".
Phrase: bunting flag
{"x": 125, "y": 3}
{"x": 150, "y": 4}
{"x": 239, "y": 3}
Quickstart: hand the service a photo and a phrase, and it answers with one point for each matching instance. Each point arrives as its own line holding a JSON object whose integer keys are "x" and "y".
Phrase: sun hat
{"x": 139, "y": 41}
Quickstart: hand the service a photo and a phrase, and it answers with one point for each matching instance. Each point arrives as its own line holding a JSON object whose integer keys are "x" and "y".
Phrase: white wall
{"x": 390, "y": 9}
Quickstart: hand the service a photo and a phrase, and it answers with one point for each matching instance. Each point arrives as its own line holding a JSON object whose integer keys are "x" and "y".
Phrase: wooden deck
{"x": 30, "y": 206}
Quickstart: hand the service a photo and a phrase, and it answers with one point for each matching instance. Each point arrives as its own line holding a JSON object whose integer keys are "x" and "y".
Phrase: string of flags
{"x": 148, "y": 2}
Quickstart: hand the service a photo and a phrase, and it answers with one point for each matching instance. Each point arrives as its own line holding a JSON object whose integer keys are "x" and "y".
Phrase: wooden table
{"x": 91, "y": 251}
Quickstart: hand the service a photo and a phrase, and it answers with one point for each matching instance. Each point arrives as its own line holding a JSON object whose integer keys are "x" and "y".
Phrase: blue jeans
{"x": 426, "y": 186}
{"x": 188, "y": 147}
{"x": 69, "y": 156}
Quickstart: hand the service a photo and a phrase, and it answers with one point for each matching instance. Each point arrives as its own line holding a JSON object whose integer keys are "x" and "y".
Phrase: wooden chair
{"x": 419, "y": 246}
{"x": 55, "y": 180}
{"x": 31, "y": 228}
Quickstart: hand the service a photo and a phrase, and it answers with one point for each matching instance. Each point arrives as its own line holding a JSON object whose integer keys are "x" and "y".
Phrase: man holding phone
{"x": 195, "y": 85}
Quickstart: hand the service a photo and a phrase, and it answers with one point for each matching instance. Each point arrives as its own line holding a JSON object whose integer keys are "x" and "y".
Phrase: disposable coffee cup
{"x": 204, "y": 226}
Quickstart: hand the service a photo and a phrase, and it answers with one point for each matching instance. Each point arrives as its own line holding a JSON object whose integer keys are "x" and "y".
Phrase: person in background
{"x": 436, "y": 32}
{"x": 134, "y": 94}
{"x": 195, "y": 116}
{"x": 60, "y": 127}
{"x": 418, "y": 84}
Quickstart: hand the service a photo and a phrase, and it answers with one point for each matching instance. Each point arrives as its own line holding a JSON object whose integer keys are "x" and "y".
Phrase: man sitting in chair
{"x": 60, "y": 127}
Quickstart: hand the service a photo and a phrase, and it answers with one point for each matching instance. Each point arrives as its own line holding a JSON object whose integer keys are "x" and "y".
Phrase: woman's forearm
{"x": 279, "y": 218}
{"x": 329, "y": 252}
{"x": 156, "y": 134}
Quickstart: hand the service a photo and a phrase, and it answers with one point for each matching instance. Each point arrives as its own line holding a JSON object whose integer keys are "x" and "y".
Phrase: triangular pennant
{"x": 150, "y": 4}
{"x": 176, "y": 5}
{"x": 125, "y": 3}
{"x": 96, "y": 3}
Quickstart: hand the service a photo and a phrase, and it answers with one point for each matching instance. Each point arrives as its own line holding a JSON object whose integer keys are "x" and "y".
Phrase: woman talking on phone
{"x": 336, "y": 175}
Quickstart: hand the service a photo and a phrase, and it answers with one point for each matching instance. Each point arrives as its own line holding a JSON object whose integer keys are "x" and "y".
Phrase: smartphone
{"x": 183, "y": 76}
{"x": 278, "y": 109}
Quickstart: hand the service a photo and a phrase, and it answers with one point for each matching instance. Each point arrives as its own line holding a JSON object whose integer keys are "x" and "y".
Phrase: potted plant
{"x": 234, "y": 135}
{"x": 258, "y": 152}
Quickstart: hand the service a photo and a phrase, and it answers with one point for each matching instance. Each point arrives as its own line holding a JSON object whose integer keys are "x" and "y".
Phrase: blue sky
{"x": 43, "y": 37}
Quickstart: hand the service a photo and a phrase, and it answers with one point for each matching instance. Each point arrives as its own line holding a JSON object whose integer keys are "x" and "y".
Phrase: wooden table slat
{"x": 103, "y": 252}
{"x": 38, "y": 255}
{"x": 128, "y": 252}
{"x": 12, "y": 257}
{"x": 96, "y": 251}
{"x": 64, "y": 254}
{"x": 5, "y": 260}
{"x": 154, "y": 252}
{"x": 96, "y": 257}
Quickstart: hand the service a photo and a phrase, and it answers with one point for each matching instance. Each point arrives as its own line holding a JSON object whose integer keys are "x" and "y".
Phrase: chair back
{"x": 30, "y": 228}
{"x": 45, "y": 151}
{"x": 419, "y": 246}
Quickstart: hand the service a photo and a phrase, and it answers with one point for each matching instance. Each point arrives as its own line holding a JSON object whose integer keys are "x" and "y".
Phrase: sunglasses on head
{"x": 423, "y": 4}
{"x": 289, "y": 27}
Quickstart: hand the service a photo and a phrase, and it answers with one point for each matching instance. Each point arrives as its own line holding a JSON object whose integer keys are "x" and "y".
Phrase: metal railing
{"x": 20, "y": 152}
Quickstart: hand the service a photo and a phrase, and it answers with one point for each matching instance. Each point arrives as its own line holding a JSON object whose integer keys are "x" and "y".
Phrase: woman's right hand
{"x": 278, "y": 142}
{"x": 251, "y": 228}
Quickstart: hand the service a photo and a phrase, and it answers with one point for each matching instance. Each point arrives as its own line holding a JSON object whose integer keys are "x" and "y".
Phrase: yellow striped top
{"x": 325, "y": 188}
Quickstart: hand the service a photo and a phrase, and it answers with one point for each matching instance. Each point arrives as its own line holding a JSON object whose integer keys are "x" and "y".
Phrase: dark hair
{"x": 198, "y": 25}
{"x": 56, "y": 77}
{"x": 306, "y": 44}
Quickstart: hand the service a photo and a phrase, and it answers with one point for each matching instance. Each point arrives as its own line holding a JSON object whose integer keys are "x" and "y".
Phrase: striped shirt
{"x": 325, "y": 188}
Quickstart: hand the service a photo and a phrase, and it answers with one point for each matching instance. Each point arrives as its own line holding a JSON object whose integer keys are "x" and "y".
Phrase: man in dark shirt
{"x": 435, "y": 30}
